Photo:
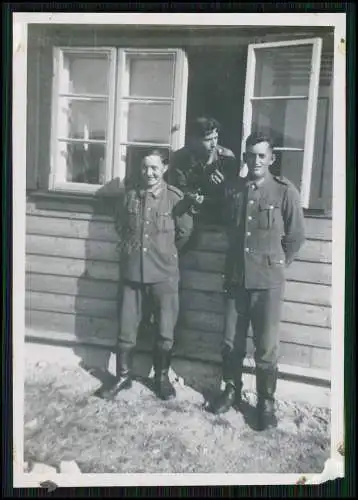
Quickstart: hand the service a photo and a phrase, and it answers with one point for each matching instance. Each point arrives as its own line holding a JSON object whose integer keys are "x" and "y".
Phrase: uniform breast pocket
{"x": 267, "y": 214}
{"x": 164, "y": 222}
{"x": 275, "y": 261}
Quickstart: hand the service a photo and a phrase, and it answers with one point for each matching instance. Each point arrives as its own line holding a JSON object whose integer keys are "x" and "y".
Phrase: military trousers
{"x": 261, "y": 309}
{"x": 163, "y": 301}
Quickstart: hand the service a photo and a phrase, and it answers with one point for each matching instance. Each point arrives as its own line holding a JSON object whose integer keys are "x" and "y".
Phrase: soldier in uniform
{"x": 153, "y": 226}
{"x": 203, "y": 169}
{"x": 266, "y": 232}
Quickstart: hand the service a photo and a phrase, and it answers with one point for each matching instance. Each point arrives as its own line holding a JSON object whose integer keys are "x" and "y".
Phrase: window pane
{"x": 82, "y": 119}
{"x": 133, "y": 155}
{"x": 285, "y": 121}
{"x": 290, "y": 165}
{"x": 149, "y": 122}
{"x": 283, "y": 71}
{"x": 86, "y": 73}
{"x": 151, "y": 76}
{"x": 84, "y": 163}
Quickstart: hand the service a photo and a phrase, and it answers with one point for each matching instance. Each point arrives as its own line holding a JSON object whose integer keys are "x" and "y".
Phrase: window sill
{"x": 61, "y": 195}
{"x": 98, "y": 203}
{"x": 73, "y": 194}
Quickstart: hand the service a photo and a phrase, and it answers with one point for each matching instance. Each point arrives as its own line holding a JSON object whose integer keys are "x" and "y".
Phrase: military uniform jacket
{"x": 266, "y": 231}
{"x": 152, "y": 227}
{"x": 190, "y": 174}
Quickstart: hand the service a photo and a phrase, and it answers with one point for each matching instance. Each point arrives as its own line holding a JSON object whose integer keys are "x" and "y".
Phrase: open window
{"x": 108, "y": 104}
{"x": 284, "y": 98}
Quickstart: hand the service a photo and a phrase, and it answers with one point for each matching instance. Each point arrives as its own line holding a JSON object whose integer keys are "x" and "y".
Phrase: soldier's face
{"x": 152, "y": 170}
{"x": 258, "y": 159}
{"x": 208, "y": 143}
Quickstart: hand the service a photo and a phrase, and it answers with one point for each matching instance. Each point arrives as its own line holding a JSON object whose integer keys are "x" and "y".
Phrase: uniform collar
{"x": 154, "y": 191}
{"x": 261, "y": 182}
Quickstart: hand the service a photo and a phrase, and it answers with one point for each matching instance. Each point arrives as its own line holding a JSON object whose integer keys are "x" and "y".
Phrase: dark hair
{"x": 162, "y": 153}
{"x": 203, "y": 126}
{"x": 256, "y": 138}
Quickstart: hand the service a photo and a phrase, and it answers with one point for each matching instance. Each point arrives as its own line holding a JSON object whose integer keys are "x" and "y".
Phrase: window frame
{"x": 179, "y": 100}
{"x": 312, "y": 105}
{"x": 55, "y": 181}
{"x": 115, "y": 166}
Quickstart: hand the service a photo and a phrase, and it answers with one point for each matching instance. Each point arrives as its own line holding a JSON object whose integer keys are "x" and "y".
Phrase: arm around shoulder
{"x": 294, "y": 223}
{"x": 183, "y": 220}
{"x": 174, "y": 175}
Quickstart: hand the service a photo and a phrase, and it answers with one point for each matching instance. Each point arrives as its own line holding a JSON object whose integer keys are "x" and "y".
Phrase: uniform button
{"x": 247, "y": 249}
{"x": 249, "y": 217}
{"x": 147, "y": 222}
{"x": 146, "y": 235}
{"x": 281, "y": 261}
{"x": 251, "y": 202}
{"x": 248, "y": 234}
{"x": 145, "y": 249}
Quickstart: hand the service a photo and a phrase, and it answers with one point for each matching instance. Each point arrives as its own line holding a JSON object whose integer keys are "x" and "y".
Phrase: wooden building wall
{"x": 72, "y": 277}
{"x": 72, "y": 269}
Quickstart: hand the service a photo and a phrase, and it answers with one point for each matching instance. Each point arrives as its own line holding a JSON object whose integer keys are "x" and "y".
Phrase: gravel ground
{"x": 137, "y": 433}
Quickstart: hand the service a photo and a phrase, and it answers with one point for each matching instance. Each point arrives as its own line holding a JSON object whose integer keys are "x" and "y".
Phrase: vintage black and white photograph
{"x": 179, "y": 232}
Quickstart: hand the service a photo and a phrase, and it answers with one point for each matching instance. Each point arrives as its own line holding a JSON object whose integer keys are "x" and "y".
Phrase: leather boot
{"x": 266, "y": 381}
{"x": 231, "y": 396}
{"x": 163, "y": 387}
{"x": 224, "y": 401}
{"x": 238, "y": 392}
{"x": 123, "y": 375}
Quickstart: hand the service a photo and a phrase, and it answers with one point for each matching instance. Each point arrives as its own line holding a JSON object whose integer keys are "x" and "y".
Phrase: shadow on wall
{"x": 98, "y": 290}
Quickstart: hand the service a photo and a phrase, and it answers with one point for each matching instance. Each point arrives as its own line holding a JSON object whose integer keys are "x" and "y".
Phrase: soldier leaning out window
{"x": 203, "y": 170}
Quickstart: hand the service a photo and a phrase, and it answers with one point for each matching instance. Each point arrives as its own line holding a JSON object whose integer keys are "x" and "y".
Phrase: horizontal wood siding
{"x": 72, "y": 286}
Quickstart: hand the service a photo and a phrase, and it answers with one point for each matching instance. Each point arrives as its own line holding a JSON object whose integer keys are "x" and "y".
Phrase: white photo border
{"x": 20, "y": 25}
